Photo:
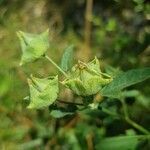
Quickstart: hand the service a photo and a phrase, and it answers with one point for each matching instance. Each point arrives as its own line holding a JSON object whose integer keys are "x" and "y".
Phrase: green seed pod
{"x": 33, "y": 45}
{"x": 86, "y": 79}
{"x": 43, "y": 92}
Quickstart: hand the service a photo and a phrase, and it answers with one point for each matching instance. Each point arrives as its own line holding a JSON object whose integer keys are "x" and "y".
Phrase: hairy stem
{"x": 49, "y": 59}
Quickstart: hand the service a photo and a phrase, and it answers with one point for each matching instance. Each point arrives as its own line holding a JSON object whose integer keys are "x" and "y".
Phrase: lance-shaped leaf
{"x": 43, "y": 92}
{"x": 67, "y": 58}
{"x": 86, "y": 79}
{"x": 125, "y": 142}
{"x": 124, "y": 80}
{"x": 33, "y": 45}
{"x": 59, "y": 113}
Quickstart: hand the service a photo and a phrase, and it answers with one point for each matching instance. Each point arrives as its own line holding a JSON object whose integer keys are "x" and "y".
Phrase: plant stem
{"x": 49, "y": 59}
{"x": 137, "y": 126}
{"x": 88, "y": 29}
{"x": 124, "y": 106}
{"x": 128, "y": 120}
{"x": 131, "y": 122}
{"x": 107, "y": 111}
{"x": 65, "y": 102}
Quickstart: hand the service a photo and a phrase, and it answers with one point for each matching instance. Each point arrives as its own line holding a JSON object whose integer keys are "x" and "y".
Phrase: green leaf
{"x": 59, "y": 113}
{"x": 67, "y": 58}
{"x": 124, "y": 80}
{"x": 33, "y": 45}
{"x": 32, "y": 144}
{"x": 121, "y": 142}
{"x": 43, "y": 92}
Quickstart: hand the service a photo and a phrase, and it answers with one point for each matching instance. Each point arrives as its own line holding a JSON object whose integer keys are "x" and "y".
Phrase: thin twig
{"x": 107, "y": 111}
{"x": 65, "y": 102}
{"x": 49, "y": 59}
{"x": 88, "y": 21}
{"x": 131, "y": 122}
{"x": 126, "y": 118}
{"x": 89, "y": 139}
{"x": 88, "y": 29}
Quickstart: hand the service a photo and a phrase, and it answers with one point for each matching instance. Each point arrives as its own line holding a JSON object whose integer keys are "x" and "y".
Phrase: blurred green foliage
{"x": 120, "y": 37}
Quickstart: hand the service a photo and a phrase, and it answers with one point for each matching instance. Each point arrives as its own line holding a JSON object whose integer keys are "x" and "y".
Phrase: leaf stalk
{"x": 50, "y": 60}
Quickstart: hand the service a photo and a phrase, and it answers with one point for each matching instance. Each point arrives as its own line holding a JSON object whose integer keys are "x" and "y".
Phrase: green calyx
{"x": 33, "y": 45}
{"x": 43, "y": 92}
{"x": 86, "y": 79}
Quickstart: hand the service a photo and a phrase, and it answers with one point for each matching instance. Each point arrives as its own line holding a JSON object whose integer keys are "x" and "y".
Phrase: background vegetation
{"x": 115, "y": 31}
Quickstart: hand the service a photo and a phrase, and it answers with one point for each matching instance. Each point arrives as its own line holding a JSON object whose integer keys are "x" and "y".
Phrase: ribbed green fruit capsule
{"x": 33, "y": 45}
{"x": 86, "y": 79}
{"x": 43, "y": 92}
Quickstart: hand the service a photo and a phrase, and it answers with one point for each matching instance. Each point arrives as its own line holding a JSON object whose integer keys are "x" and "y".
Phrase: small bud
{"x": 33, "y": 45}
{"x": 86, "y": 79}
